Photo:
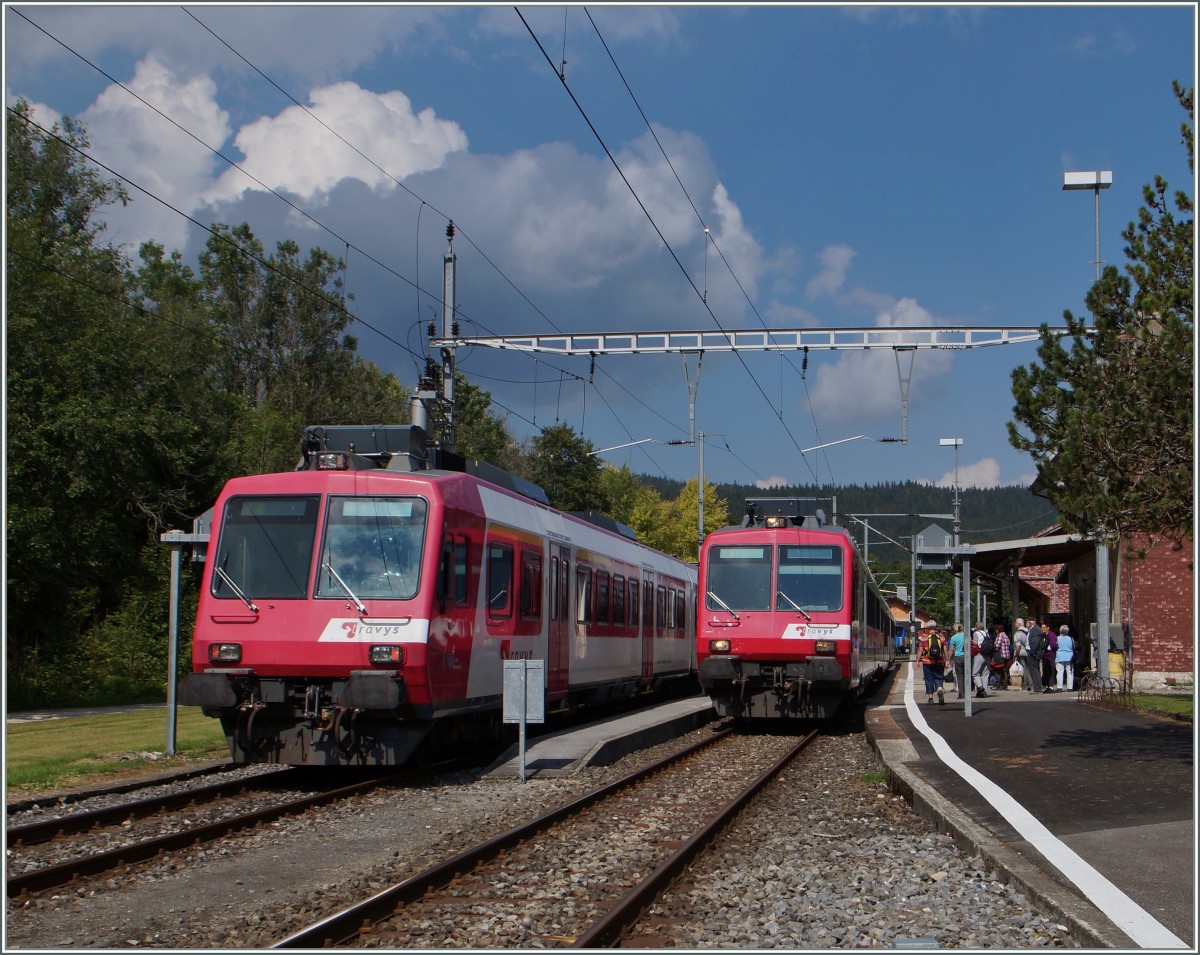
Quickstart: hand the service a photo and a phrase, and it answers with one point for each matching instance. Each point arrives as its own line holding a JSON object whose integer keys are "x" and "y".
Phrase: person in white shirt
{"x": 979, "y": 661}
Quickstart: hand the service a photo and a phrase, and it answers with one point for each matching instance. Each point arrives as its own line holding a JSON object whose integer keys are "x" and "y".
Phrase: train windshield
{"x": 266, "y": 547}
{"x": 374, "y": 545}
{"x": 809, "y": 577}
{"x": 739, "y": 578}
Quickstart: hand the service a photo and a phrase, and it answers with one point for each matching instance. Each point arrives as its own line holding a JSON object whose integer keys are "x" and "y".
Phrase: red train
{"x": 363, "y": 605}
{"x": 791, "y": 622}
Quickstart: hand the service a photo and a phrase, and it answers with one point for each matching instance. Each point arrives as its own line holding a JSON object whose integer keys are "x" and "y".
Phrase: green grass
{"x": 88, "y": 750}
{"x": 1164, "y": 704}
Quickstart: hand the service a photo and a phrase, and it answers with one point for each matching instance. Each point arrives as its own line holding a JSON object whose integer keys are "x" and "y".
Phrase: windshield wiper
{"x": 796, "y": 606}
{"x": 235, "y": 588}
{"x": 359, "y": 605}
{"x": 724, "y": 605}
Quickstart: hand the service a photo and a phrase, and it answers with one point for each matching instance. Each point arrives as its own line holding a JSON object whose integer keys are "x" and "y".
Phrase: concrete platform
{"x": 605, "y": 741}
{"x": 1088, "y": 811}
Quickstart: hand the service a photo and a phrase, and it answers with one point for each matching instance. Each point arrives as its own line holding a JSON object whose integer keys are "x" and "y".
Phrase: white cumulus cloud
{"x": 293, "y": 152}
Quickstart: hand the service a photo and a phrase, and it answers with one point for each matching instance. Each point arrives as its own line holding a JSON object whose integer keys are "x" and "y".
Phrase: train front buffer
{"x": 364, "y": 716}
{"x": 809, "y": 680}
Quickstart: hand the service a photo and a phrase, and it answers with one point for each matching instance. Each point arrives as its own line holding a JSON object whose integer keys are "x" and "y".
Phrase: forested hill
{"x": 992, "y": 514}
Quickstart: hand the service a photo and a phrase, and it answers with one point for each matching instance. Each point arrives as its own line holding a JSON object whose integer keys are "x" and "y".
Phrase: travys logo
{"x": 361, "y": 631}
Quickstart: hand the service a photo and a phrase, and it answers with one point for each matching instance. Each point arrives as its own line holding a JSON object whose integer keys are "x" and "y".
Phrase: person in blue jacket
{"x": 1064, "y": 659}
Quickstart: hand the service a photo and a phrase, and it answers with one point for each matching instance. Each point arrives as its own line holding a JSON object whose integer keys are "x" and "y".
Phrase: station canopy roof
{"x": 998, "y": 559}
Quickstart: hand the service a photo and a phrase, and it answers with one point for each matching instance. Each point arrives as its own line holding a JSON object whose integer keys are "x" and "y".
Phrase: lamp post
{"x": 1097, "y": 181}
{"x": 956, "y": 443}
{"x": 1100, "y": 179}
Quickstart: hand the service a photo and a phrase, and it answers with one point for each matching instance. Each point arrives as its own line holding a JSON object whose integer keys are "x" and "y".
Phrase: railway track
{"x": 650, "y": 824}
{"x": 25, "y": 875}
{"x": 83, "y": 795}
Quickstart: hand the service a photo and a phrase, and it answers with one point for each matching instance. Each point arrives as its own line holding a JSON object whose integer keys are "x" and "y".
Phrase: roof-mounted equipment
{"x": 783, "y": 512}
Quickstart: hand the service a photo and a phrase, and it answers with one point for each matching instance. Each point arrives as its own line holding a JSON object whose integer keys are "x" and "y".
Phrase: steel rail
{"x": 65, "y": 799}
{"x": 607, "y": 931}
{"x": 67, "y": 872}
{"x": 346, "y": 924}
{"x": 45, "y": 830}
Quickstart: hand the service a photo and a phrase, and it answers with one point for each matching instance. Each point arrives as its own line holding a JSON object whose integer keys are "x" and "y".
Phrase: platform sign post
{"x": 968, "y": 630}
{"x": 524, "y": 698}
{"x": 177, "y": 539}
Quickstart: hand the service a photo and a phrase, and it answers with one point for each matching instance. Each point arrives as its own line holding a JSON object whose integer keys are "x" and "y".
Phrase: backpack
{"x": 988, "y": 646}
{"x": 935, "y": 652}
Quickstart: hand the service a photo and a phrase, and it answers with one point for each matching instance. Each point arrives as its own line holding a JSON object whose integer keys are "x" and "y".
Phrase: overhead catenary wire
{"x": 666, "y": 243}
{"x": 707, "y": 234}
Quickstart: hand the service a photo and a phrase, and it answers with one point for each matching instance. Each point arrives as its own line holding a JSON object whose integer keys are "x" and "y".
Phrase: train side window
{"x": 553, "y": 588}
{"x": 648, "y": 604}
{"x": 618, "y": 600}
{"x": 633, "y": 603}
{"x": 564, "y": 589}
{"x": 583, "y": 594}
{"x": 531, "y": 585}
{"x": 461, "y": 564}
{"x": 499, "y": 580}
{"x": 660, "y": 609}
{"x": 680, "y": 610}
{"x": 602, "y": 590}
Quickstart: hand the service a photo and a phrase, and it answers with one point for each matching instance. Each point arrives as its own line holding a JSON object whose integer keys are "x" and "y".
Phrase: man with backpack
{"x": 1038, "y": 644}
{"x": 932, "y": 646}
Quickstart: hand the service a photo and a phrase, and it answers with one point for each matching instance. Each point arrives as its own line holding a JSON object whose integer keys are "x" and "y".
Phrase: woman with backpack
{"x": 931, "y": 646}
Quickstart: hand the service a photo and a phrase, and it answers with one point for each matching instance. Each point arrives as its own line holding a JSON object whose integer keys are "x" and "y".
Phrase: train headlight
{"x": 387, "y": 653}
{"x": 332, "y": 461}
{"x": 718, "y": 646}
{"x": 825, "y": 647}
{"x": 776, "y": 521}
{"x": 224, "y": 653}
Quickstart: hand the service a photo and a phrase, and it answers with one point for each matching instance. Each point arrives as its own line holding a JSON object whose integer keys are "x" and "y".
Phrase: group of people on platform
{"x": 1047, "y": 657}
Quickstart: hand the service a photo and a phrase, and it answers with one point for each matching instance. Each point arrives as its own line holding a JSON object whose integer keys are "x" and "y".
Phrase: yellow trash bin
{"x": 1116, "y": 665}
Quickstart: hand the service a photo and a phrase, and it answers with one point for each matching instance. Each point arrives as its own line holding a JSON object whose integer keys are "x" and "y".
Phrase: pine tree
{"x": 1108, "y": 420}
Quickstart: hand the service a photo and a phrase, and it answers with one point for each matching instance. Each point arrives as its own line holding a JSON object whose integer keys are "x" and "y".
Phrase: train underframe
{"x": 360, "y": 721}
{"x": 797, "y": 689}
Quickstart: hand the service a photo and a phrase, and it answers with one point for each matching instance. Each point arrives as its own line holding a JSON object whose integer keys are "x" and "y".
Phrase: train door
{"x": 558, "y": 643}
{"x": 647, "y": 627}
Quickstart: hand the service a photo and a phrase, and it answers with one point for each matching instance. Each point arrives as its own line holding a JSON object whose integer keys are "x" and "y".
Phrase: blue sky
{"x": 854, "y": 167}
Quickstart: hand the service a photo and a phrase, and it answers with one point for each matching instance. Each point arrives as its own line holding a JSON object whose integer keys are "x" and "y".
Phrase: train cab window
{"x": 739, "y": 578}
{"x": 633, "y": 603}
{"x": 618, "y": 600}
{"x": 531, "y": 585}
{"x": 809, "y": 577}
{"x": 265, "y": 547}
{"x": 372, "y": 547}
{"x": 499, "y": 580}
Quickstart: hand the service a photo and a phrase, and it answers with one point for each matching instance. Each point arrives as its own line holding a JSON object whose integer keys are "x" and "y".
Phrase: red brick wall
{"x": 1059, "y": 594}
{"x": 1164, "y": 605}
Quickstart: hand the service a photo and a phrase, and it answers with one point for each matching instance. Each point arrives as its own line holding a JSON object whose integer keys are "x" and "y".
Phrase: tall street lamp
{"x": 955, "y": 443}
{"x": 1100, "y": 179}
